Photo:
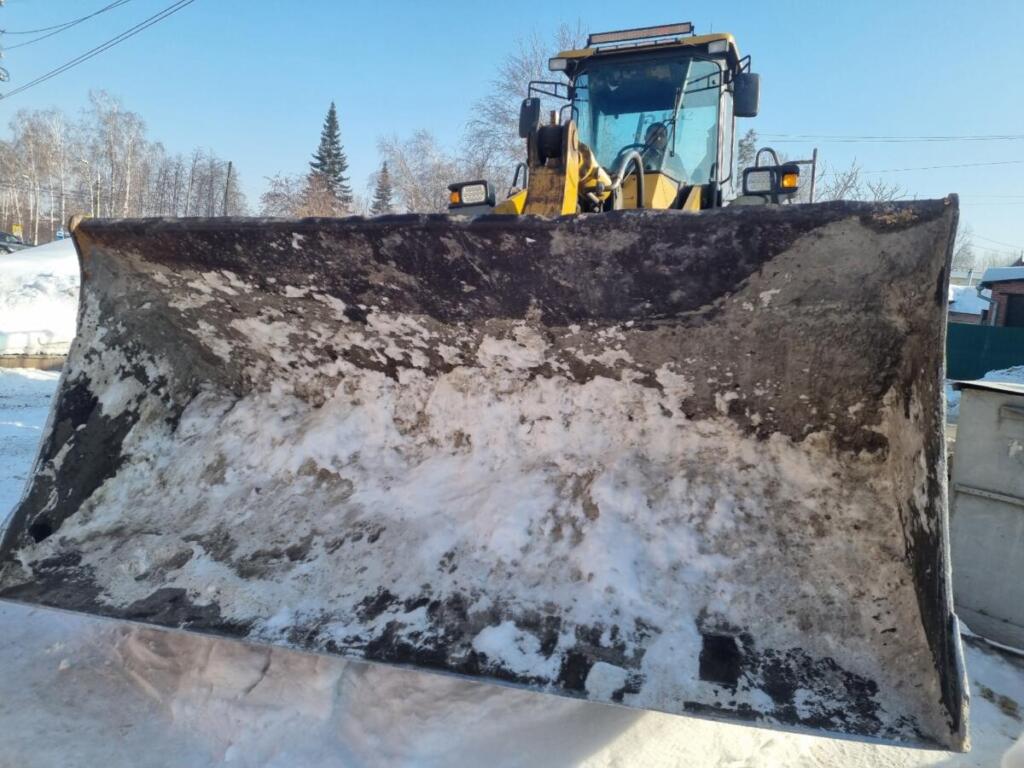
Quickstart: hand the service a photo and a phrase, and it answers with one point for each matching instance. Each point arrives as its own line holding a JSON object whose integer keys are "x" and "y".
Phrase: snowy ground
{"x": 71, "y": 687}
{"x": 24, "y": 405}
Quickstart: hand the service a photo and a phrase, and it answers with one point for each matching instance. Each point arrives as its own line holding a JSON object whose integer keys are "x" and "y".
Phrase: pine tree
{"x": 382, "y": 193}
{"x": 329, "y": 162}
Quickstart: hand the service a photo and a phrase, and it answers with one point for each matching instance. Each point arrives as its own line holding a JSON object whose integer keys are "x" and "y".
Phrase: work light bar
{"x": 641, "y": 33}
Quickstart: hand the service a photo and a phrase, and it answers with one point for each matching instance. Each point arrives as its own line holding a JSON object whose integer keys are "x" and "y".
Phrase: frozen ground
{"x": 71, "y": 688}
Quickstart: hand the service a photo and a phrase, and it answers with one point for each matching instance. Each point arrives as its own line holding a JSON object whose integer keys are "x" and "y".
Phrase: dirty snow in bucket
{"x": 339, "y": 502}
{"x": 601, "y": 498}
{"x": 208, "y": 702}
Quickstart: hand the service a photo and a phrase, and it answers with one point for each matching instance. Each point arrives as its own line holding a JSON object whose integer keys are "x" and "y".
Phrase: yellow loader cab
{"x": 648, "y": 120}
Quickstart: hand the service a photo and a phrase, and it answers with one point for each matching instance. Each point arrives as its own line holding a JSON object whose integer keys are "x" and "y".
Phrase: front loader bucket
{"x": 690, "y": 463}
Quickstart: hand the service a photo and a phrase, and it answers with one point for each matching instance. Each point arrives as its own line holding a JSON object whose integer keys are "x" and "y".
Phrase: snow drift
{"x": 38, "y": 299}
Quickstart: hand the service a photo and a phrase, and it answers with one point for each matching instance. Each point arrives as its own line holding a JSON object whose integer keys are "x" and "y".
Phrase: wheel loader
{"x": 644, "y": 433}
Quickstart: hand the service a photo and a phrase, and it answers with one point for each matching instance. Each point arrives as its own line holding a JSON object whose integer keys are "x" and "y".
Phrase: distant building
{"x": 966, "y": 305}
{"x": 964, "y": 276}
{"x": 1007, "y": 304}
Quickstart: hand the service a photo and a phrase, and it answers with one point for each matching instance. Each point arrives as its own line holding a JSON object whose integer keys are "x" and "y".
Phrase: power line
{"x": 7, "y": 185}
{"x": 957, "y": 165}
{"x": 973, "y": 195}
{"x": 962, "y": 195}
{"x": 1000, "y": 242}
{"x": 130, "y": 32}
{"x": 1001, "y": 251}
{"x": 56, "y": 30}
{"x": 791, "y": 138}
{"x": 999, "y": 203}
{"x": 936, "y": 167}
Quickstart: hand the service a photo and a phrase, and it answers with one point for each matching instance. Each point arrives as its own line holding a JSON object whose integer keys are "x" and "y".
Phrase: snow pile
{"x": 1012, "y": 375}
{"x": 24, "y": 404}
{"x": 38, "y": 299}
{"x": 964, "y": 299}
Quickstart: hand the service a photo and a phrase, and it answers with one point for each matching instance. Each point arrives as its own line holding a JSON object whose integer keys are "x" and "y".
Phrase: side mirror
{"x": 746, "y": 94}
{"x": 529, "y": 117}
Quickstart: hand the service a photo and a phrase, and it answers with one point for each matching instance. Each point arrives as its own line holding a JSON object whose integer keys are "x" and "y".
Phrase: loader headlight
{"x": 470, "y": 193}
{"x": 474, "y": 194}
{"x": 772, "y": 180}
{"x": 558, "y": 64}
{"x": 757, "y": 181}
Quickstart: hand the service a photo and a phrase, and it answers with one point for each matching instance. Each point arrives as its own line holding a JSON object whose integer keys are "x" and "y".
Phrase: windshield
{"x": 633, "y": 104}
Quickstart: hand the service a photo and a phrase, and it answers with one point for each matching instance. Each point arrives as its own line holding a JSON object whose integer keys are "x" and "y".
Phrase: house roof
{"x": 1003, "y": 380}
{"x": 1008, "y": 387}
{"x": 1002, "y": 275}
{"x": 965, "y": 299}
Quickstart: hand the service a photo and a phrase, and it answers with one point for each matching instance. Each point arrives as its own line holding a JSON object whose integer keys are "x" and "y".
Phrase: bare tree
{"x": 283, "y": 196}
{"x": 318, "y": 198}
{"x": 849, "y": 184}
{"x": 420, "y": 172}
{"x": 881, "y": 191}
{"x": 308, "y": 195}
{"x": 963, "y": 248}
{"x": 104, "y": 165}
{"x": 839, "y": 184}
{"x": 992, "y": 258}
{"x": 492, "y": 132}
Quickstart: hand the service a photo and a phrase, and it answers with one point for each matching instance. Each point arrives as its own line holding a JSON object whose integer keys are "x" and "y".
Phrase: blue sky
{"x": 252, "y": 80}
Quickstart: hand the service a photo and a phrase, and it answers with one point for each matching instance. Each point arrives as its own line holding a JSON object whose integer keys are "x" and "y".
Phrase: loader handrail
{"x": 632, "y": 158}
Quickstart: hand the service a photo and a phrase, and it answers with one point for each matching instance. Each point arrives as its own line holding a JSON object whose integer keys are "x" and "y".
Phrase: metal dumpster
{"x": 987, "y": 507}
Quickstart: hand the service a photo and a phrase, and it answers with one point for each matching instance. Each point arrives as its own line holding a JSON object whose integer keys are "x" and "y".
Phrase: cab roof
{"x": 578, "y": 55}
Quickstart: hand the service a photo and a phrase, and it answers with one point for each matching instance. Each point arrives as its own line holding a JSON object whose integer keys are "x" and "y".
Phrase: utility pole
{"x": 227, "y": 189}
